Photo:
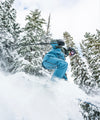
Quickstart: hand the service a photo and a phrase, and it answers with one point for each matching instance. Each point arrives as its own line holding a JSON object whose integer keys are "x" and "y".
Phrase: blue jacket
{"x": 56, "y": 53}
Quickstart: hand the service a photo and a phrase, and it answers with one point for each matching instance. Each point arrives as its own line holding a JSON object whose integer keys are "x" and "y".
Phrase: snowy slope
{"x": 25, "y": 97}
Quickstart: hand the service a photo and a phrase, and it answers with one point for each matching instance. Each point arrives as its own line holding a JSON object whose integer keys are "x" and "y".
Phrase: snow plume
{"x": 25, "y": 97}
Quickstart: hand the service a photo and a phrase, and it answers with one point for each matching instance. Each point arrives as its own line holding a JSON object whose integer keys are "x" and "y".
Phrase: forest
{"x": 18, "y": 55}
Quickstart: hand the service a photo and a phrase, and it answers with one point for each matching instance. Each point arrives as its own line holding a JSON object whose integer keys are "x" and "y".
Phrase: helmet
{"x": 58, "y": 43}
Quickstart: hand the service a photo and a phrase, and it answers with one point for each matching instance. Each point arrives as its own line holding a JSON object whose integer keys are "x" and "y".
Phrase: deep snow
{"x": 25, "y": 97}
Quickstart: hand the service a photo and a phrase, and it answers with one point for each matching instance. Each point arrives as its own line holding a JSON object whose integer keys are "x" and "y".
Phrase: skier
{"x": 55, "y": 59}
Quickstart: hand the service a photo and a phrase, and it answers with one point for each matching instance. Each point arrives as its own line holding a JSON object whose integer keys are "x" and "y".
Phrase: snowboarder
{"x": 55, "y": 59}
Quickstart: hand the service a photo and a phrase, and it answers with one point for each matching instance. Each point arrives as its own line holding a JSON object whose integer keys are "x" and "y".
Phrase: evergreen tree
{"x": 33, "y": 33}
{"x": 9, "y": 35}
{"x": 78, "y": 66}
{"x": 91, "y": 50}
{"x": 90, "y": 111}
{"x": 83, "y": 79}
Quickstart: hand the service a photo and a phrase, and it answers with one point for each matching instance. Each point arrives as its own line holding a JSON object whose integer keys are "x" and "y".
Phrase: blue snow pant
{"x": 59, "y": 65}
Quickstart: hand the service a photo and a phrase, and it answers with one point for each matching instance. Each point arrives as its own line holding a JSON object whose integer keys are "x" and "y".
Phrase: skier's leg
{"x": 59, "y": 65}
{"x": 50, "y": 63}
{"x": 60, "y": 70}
{"x": 65, "y": 77}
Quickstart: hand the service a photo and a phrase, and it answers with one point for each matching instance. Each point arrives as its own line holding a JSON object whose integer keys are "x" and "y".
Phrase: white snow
{"x": 25, "y": 97}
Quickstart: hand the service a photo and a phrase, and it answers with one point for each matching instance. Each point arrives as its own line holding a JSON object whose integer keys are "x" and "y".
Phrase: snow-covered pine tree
{"x": 83, "y": 79}
{"x": 91, "y": 50}
{"x": 89, "y": 111}
{"x": 33, "y": 33}
{"x": 9, "y": 35}
{"x": 78, "y": 66}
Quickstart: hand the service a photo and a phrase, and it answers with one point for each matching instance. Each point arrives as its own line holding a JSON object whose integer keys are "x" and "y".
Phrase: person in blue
{"x": 55, "y": 59}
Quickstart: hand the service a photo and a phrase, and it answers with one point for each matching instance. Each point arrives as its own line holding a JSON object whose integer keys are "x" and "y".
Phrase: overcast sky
{"x": 74, "y": 16}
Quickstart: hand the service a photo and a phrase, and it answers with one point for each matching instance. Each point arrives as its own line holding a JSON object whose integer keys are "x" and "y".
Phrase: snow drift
{"x": 25, "y": 97}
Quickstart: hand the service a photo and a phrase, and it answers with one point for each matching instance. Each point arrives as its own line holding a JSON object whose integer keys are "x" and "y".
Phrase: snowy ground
{"x": 25, "y": 97}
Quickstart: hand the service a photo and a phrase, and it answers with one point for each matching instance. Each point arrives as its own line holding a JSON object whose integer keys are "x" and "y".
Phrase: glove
{"x": 71, "y": 51}
{"x": 68, "y": 51}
